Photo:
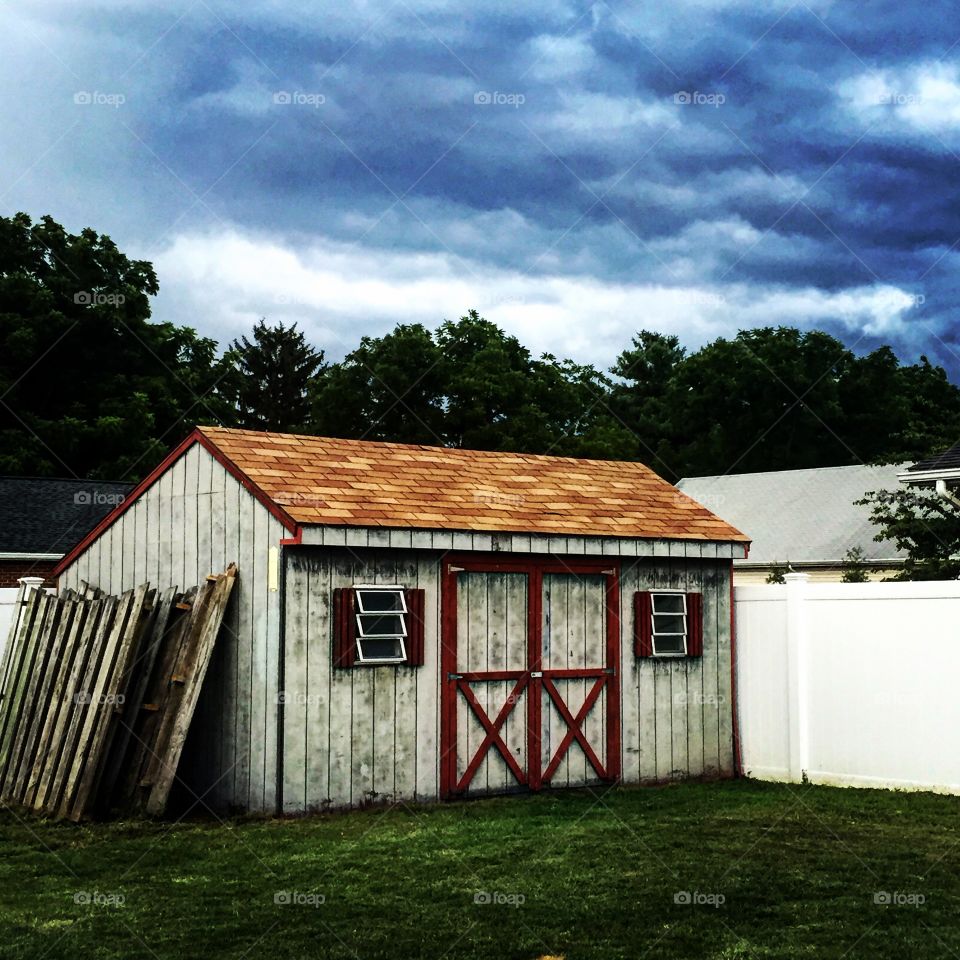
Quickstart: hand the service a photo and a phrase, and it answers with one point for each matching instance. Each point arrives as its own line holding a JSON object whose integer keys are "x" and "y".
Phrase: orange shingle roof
{"x": 319, "y": 480}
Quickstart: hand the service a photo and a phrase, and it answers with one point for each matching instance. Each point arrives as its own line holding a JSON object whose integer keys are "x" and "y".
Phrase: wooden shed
{"x": 416, "y": 623}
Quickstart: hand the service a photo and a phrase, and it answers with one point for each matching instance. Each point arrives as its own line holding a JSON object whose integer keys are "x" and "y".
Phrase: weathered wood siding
{"x": 193, "y": 521}
{"x": 371, "y": 733}
{"x": 365, "y": 734}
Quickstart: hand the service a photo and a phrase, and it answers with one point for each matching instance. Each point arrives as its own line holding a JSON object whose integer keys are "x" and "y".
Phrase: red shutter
{"x": 344, "y": 628}
{"x": 643, "y": 624}
{"x": 694, "y": 624}
{"x": 415, "y": 626}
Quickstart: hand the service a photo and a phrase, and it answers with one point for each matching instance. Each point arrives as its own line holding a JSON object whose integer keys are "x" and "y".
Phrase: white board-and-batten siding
{"x": 192, "y": 521}
{"x": 372, "y": 734}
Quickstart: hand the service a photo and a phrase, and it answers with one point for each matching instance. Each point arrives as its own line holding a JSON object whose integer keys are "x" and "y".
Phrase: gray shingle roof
{"x": 42, "y": 515}
{"x": 948, "y": 460}
{"x": 800, "y": 515}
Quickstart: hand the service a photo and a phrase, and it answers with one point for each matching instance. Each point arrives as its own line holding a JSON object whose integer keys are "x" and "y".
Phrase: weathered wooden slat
{"x": 48, "y": 667}
{"x": 141, "y": 672}
{"x": 17, "y": 704}
{"x": 27, "y": 606}
{"x": 110, "y": 702}
{"x": 78, "y": 693}
{"x": 181, "y": 706}
{"x": 49, "y": 741}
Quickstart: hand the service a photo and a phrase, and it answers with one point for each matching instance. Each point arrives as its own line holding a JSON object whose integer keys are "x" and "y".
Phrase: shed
{"x": 414, "y": 623}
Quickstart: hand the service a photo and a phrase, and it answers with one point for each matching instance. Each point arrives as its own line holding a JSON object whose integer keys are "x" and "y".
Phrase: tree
{"x": 922, "y": 523}
{"x": 88, "y": 385}
{"x": 778, "y": 574}
{"x": 854, "y": 570}
{"x": 389, "y": 388}
{"x": 269, "y": 378}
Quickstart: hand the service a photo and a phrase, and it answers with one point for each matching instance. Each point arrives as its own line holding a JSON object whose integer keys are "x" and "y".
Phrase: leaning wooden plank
{"x": 114, "y": 700}
{"x": 99, "y": 708}
{"x": 147, "y": 722}
{"x": 193, "y": 669}
{"x": 61, "y": 677}
{"x": 40, "y": 691}
{"x": 17, "y": 691}
{"x": 79, "y": 702}
{"x": 124, "y": 745}
{"x": 19, "y": 624}
{"x": 69, "y": 704}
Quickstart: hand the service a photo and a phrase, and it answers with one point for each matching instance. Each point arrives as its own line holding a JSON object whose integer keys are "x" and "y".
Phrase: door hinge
{"x": 453, "y": 569}
{"x": 536, "y": 673}
{"x": 454, "y": 676}
{"x": 610, "y": 672}
{"x": 609, "y": 573}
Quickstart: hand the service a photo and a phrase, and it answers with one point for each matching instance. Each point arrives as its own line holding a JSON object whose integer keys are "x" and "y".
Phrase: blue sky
{"x": 575, "y": 171}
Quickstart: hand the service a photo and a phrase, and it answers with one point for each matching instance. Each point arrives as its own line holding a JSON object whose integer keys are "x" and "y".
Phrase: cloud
{"x": 335, "y": 291}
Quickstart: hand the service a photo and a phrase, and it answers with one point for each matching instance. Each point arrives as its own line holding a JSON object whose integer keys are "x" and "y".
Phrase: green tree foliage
{"x": 470, "y": 385}
{"x": 777, "y": 574}
{"x": 923, "y": 524}
{"x": 268, "y": 378}
{"x": 854, "y": 569}
{"x": 88, "y": 386}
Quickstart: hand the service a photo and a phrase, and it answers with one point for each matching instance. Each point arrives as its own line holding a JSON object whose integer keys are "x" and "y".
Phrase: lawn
{"x": 735, "y": 869}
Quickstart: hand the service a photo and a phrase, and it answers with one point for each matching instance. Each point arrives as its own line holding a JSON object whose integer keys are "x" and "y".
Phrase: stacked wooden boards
{"x": 97, "y": 694}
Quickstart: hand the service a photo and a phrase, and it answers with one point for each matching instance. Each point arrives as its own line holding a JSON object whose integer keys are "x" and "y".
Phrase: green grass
{"x": 577, "y": 875}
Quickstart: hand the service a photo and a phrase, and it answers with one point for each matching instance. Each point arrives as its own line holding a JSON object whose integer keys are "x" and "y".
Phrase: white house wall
{"x": 194, "y": 520}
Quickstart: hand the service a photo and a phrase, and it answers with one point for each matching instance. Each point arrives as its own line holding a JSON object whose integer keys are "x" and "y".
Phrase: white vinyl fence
{"x": 852, "y": 684}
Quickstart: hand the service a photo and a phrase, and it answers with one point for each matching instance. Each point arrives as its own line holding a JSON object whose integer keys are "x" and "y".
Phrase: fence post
{"x": 798, "y": 700}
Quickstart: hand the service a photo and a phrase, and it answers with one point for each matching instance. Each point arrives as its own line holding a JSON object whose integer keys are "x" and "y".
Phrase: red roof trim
{"x": 148, "y": 481}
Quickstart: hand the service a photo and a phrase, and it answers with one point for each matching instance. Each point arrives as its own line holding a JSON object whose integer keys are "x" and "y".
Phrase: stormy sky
{"x": 575, "y": 171}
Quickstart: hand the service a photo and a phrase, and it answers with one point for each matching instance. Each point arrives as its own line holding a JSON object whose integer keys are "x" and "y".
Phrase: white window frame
{"x": 360, "y": 613}
{"x": 663, "y": 613}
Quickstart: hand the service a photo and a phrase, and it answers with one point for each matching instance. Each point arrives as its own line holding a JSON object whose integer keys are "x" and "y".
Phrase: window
{"x": 669, "y": 612}
{"x": 668, "y": 623}
{"x": 381, "y": 614}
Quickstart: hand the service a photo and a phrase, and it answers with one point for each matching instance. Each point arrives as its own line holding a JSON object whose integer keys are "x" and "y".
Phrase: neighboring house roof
{"x": 945, "y": 465}
{"x": 802, "y": 516}
{"x": 318, "y": 480}
{"x": 44, "y": 517}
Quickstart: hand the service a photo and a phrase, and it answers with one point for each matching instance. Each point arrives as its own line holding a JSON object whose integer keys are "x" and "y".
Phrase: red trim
{"x": 454, "y": 684}
{"x": 642, "y": 624}
{"x": 295, "y": 541}
{"x": 178, "y": 451}
{"x": 737, "y": 759}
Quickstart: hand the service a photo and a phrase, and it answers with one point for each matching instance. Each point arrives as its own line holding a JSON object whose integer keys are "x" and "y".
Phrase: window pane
{"x": 381, "y": 625}
{"x": 669, "y": 623}
{"x": 385, "y": 649}
{"x": 669, "y": 603}
{"x": 669, "y": 645}
{"x": 374, "y": 601}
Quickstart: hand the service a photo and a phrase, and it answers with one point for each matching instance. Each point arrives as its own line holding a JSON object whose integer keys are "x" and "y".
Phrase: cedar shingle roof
{"x": 318, "y": 480}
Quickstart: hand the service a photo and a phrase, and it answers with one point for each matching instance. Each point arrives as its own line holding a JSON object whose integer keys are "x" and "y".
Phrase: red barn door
{"x": 530, "y": 691}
